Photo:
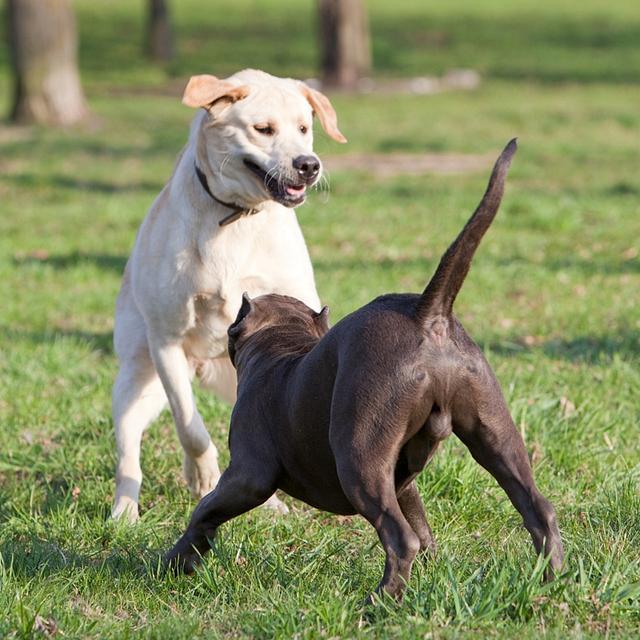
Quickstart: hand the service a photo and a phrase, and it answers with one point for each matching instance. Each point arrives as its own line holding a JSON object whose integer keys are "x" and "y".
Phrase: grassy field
{"x": 552, "y": 298}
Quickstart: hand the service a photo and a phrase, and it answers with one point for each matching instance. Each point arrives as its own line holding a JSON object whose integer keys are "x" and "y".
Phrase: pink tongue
{"x": 295, "y": 191}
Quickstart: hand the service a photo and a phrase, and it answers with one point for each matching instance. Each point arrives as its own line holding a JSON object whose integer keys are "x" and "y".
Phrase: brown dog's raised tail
{"x": 437, "y": 299}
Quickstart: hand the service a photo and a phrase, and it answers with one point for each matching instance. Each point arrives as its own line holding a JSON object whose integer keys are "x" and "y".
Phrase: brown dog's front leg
{"x": 239, "y": 490}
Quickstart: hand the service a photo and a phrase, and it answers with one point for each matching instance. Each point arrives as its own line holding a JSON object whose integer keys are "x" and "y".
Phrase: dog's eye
{"x": 303, "y": 129}
{"x": 264, "y": 129}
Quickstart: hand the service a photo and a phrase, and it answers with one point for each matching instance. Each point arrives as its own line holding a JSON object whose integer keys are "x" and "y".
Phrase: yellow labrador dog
{"x": 222, "y": 225}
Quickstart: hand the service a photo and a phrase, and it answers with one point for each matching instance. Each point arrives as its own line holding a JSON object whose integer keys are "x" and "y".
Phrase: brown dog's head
{"x": 285, "y": 325}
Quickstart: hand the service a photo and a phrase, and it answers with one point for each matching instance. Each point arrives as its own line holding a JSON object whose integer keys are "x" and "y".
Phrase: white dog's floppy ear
{"x": 205, "y": 91}
{"x": 324, "y": 110}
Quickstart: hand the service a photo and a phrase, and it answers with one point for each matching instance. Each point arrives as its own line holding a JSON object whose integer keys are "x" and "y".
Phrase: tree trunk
{"x": 159, "y": 34}
{"x": 44, "y": 43}
{"x": 344, "y": 42}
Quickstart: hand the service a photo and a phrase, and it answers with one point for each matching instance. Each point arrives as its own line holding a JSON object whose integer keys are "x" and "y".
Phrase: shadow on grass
{"x": 590, "y": 349}
{"x": 76, "y": 259}
{"x": 102, "y": 342}
{"x": 115, "y": 549}
{"x": 29, "y": 556}
{"x": 428, "y": 263}
{"x": 57, "y": 181}
{"x": 584, "y": 266}
{"x": 542, "y": 45}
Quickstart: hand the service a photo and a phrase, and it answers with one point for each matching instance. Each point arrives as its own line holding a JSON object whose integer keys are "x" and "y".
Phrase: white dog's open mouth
{"x": 286, "y": 192}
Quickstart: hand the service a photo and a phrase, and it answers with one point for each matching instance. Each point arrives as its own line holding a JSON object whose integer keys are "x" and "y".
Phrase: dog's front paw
{"x": 202, "y": 473}
{"x": 179, "y": 563}
{"x": 182, "y": 558}
{"x": 275, "y": 504}
{"x": 125, "y": 510}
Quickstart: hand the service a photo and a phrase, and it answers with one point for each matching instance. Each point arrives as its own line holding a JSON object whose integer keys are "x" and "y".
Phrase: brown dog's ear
{"x": 245, "y": 309}
{"x": 322, "y": 319}
{"x": 205, "y": 91}
{"x": 324, "y": 110}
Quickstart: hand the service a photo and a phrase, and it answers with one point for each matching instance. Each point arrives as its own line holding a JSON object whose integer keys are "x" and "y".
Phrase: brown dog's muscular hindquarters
{"x": 377, "y": 436}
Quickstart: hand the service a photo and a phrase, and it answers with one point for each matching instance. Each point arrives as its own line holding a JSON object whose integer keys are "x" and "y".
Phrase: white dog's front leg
{"x": 200, "y": 455}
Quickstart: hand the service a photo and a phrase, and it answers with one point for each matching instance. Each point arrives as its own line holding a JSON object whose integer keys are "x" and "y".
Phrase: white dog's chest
{"x": 214, "y": 311}
{"x": 208, "y": 272}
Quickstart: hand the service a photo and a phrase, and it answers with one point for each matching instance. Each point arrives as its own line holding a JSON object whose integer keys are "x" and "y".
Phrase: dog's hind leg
{"x": 413, "y": 457}
{"x": 495, "y": 443}
{"x": 373, "y": 496}
{"x": 365, "y": 468}
{"x": 366, "y": 436}
{"x": 413, "y": 510}
{"x": 242, "y": 487}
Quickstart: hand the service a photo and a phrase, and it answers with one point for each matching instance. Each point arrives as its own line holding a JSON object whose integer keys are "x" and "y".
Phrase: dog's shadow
{"x": 30, "y": 557}
{"x": 115, "y": 548}
{"x": 41, "y": 546}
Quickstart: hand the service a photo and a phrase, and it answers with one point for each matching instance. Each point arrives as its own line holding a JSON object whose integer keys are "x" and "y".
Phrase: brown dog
{"x": 346, "y": 418}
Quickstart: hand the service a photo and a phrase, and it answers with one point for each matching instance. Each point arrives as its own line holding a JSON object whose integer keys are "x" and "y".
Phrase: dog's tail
{"x": 437, "y": 299}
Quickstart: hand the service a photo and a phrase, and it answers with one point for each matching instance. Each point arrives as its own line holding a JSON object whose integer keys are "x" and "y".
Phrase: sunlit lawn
{"x": 552, "y": 297}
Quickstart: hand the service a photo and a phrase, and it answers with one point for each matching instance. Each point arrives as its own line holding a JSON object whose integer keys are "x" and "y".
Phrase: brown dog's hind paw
{"x": 373, "y": 599}
{"x": 554, "y": 567}
{"x": 369, "y": 601}
{"x": 382, "y": 595}
{"x": 428, "y": 547}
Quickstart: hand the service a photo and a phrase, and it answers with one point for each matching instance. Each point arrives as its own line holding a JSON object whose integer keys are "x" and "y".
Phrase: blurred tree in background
{"x": 344, "y": 42}
{"x": 43, "y": 43}
{"x": 159, "y": 43}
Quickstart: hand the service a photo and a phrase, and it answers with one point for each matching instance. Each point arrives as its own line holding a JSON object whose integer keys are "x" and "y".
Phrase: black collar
{"x": 238, "y": 212}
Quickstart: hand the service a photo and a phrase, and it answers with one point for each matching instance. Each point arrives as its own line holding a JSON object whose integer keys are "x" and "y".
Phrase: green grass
{"x": 552, "y": 297}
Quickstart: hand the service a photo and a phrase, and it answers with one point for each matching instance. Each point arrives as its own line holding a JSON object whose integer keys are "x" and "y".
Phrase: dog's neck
{"x": 271, "y": 345}
{"x": 203, "y": 175}
{"x": 237, "y": 211}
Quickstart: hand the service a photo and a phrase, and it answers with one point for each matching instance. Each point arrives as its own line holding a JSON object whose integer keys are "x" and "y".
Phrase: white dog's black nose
{"x": 307, "y": 167}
